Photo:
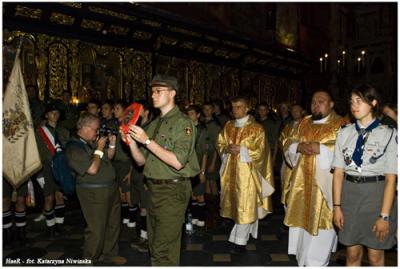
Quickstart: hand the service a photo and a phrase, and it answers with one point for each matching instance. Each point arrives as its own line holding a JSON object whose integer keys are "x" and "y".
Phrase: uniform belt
{"x": 167, "y": 181}
{"x": 94, "y": 185}
{"x": 363, "y": 179}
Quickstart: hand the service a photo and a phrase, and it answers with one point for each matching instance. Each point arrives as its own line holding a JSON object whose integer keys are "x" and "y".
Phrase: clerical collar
{"x": 321, "y": 121}
{"x": 241, "y": 122}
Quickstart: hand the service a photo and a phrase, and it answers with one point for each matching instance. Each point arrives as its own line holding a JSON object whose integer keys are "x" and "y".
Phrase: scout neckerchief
{"x": 363, "y": 134}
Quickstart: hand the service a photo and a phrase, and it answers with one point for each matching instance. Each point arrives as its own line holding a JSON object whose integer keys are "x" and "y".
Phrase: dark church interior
{"x": 272, "y": 52}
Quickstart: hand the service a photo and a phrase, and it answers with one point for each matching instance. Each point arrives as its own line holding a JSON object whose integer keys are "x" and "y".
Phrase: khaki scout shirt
{"x": 122, "y": 152}
{"x": 271, "y": 129}
{"x": 44, "y": 152}
{"x": 202, "y": 141}
{"x": 177, "y": 134}
{"x": 379, "y": 155}
{"x": 213, "y": 131}
{"x": 79, "y": 155}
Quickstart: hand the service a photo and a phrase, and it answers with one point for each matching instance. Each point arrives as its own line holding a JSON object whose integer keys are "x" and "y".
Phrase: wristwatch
{"x": 147, "y": 142}
{"x": 384, "y": 217}
{"x": 98, "y": 153}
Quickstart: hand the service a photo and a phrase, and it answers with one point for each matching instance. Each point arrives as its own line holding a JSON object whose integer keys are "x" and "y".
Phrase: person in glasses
{"x": 89, "y": 158}
{"x": 169, "y": 158}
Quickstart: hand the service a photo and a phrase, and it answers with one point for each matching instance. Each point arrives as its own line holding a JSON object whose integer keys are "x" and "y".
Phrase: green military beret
{"x": 165, "y": 81}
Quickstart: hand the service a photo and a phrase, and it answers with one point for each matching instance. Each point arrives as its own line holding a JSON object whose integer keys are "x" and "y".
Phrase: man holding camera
{"x": 97, "y": 190}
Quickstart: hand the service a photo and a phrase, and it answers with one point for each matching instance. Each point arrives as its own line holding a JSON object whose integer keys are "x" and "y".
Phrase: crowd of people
{"x": 336, "y": 176}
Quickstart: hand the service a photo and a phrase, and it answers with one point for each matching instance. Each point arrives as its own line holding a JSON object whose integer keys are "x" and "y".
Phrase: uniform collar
{"x": 364, "y": 127}
{"x": 51, "y": 128}
{"x": 175, "y": 110}
{"x": 81, "y": 140}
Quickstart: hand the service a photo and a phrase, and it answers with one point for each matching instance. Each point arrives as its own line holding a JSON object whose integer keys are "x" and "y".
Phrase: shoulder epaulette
{"x": 390, "y": 126}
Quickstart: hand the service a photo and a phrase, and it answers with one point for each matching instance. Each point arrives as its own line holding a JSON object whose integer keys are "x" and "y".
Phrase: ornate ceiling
{"x": 144, "y": 28}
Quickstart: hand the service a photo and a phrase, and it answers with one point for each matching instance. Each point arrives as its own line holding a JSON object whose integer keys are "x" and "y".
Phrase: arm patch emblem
{"x": 188, "y": 131}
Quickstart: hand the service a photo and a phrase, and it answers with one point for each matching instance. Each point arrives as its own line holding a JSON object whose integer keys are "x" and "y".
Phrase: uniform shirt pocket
{"x": 373, "y": 149}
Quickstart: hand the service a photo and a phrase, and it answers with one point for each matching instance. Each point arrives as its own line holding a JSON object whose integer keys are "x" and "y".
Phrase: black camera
{"x": 106, "y": 131}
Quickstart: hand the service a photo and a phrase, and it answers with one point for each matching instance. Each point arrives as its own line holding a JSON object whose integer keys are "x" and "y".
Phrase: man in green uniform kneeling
{"x": 169, "y": 156}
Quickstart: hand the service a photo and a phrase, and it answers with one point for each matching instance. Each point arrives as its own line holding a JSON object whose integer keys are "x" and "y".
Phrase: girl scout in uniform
{"x": 364, "y": 181}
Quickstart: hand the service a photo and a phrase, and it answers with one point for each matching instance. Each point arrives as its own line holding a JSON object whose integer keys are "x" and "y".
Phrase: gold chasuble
{"x": 246, "y": 187}
{"x": 307, "y": 207}
{"x": 286, "y": 170}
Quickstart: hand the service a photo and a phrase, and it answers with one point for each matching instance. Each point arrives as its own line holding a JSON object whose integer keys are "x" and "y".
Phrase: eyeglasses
{"x": 93, "y": 129}
{"x": 158, "y": 92}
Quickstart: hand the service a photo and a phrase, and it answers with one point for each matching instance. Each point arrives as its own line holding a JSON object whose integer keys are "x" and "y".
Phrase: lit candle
{"x": 338, "y": 66}
{"x": 363, "y": 57}
{"x": 75, "y": 100}
{"x": 320, "y": 64}
{"x": 358, "y": 64}
{"x": 343, "y": 55}
{"x": 326, "y": 60}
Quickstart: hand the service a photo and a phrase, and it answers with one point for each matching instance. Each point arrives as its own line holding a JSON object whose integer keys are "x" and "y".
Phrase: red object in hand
{"x": 130, "y": 117}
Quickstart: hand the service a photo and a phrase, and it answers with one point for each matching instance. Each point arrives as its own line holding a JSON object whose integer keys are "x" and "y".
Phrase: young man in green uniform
{"x": 122, "y": 163}
{"x": 199, "y": 182}
{"x": 170, "y": 160}
{"x": 50, "y": 138}
{"x": 139, "y": 188}
{"x": 68, "y": 112}
{"x": 97, "y": 190}
{"x": 270, "y": 125}
{"x": 213, "y": 166}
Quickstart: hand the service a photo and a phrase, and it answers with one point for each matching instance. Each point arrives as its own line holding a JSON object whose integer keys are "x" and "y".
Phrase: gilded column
{"x": 74, "y": 68}
{"x": 58, "y": 70}
{"x": 41, "y": 65}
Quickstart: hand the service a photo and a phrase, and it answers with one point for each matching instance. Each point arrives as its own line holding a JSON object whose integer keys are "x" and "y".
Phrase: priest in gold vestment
{"x": 312, "y": 237}
{"x": 286, "y": 168}
{"x": 246, "y": 174}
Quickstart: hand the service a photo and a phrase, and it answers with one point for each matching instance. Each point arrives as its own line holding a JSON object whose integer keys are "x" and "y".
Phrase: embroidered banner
{"x": 20, "y": 153}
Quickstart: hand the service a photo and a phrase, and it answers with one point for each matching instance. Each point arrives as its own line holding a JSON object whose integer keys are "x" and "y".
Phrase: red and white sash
{"x": 49, "y": 139}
